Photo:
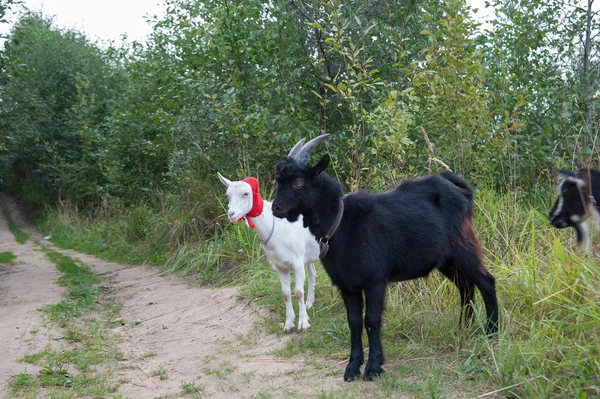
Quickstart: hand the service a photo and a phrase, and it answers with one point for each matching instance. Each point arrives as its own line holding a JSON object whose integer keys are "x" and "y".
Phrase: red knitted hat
{"x": 257, "y": 201}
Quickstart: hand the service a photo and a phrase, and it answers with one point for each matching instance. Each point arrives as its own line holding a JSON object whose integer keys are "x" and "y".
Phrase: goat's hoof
{"x": 352, "y": 372}
{"x": 373, "y": 372}
{"x": 491, "y": 331}
{"x": 288, "y": 327}
{"x": 303, "y": 325}
{"x": 309, "y": 304}
{"x": 350, "y": 378}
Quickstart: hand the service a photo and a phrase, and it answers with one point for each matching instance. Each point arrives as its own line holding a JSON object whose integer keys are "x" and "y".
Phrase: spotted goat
{"x": 576, "y": 202}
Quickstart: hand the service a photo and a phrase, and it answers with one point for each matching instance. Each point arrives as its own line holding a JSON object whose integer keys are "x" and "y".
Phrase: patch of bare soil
{"x": 170, "y": 329}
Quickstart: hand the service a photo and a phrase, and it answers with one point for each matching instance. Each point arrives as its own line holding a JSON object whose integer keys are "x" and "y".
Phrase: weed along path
{"x": 141, "y": 335}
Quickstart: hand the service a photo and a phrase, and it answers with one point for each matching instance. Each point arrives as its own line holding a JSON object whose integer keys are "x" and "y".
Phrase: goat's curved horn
{"x": 296, "y": 148}
{"x": 304, "y": 153}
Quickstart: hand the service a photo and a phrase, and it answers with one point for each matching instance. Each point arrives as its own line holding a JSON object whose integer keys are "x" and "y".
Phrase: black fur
{"x": 399, "y": 235}
{"x": 573, "y": 198}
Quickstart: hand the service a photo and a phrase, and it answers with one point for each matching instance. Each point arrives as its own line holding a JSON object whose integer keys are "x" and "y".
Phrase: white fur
{"x": 561, "y": 200}
{"x": 291, "y": 246}
{"x": 586, "y": 236}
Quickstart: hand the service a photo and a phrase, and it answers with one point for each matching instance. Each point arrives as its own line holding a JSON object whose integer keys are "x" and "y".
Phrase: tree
{"x": 55, "y": 95}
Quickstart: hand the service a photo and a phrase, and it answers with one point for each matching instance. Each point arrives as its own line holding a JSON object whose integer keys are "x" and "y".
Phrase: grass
{"x": 72, "y": 370}
{"x": 548, "y": 294}
{"x": 190, "y": 387}
{"x": 81, "y": 289}
{"x": 161, "y": 373}
{"x": 7, "y": 258}
{"x": 20, "y": 236}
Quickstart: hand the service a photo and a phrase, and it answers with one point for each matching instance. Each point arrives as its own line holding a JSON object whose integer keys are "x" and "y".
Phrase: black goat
{"x": 369, "y": 240}
{"x": 577, "y": 194}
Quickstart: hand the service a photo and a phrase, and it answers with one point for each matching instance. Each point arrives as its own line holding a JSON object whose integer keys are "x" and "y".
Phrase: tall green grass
{"x": 549, "y": 296}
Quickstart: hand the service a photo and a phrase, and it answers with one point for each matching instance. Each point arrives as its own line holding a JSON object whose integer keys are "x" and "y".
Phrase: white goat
{"x": 287, "y": 245}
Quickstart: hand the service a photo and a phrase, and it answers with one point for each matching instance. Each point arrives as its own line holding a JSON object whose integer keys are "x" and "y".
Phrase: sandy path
{"x": 24, "y": 288}
{"x": 197, "y": 334}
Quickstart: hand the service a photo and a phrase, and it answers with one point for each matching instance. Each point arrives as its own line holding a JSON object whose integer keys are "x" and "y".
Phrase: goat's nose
{"x": 276, "y": 208}
{"x": 230, "y": 213}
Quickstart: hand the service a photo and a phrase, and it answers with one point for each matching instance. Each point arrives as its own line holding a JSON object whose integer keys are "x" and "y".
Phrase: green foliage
{"x": 534, "y": 57}
{"x": 55, "y": 95}
{"x": 231, "y": 87}
{"x": 452, "y": 99}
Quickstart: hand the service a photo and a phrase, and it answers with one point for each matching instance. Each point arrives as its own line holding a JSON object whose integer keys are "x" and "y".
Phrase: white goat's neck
{"x": 264, "y": 222}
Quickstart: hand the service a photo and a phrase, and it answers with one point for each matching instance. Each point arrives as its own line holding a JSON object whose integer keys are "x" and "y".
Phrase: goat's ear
{"x": 225, "y": 181}
{"x": 320, "y": 166}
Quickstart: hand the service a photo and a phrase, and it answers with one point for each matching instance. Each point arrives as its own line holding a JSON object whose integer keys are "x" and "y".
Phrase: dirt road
{"x": 196, "y": 334}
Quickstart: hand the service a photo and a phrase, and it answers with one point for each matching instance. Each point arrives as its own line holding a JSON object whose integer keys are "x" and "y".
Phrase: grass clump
{"x": 23, "y": 381}
{"x": 190, "y": 387}
{"x": 161, "y": 373}
{"x": 20, "y": 236}
{"x": 7, "y": 258}
{"x": 81, "y": 289}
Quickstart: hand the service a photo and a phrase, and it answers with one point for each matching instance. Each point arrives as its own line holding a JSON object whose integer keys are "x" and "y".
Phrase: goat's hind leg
{"x": 290, "y": 316}
{"x": 486, "y": 283}
{"x": 476, "y": 274}
{"x": 466, "y": 288}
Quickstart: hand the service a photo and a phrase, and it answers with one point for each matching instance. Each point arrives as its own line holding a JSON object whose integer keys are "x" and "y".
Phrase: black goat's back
{"x": 398, "y": 235}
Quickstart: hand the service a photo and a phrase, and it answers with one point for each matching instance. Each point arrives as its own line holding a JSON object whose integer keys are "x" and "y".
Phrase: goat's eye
{"x": 298, "y": 184}
{"x": 245, "y": 194}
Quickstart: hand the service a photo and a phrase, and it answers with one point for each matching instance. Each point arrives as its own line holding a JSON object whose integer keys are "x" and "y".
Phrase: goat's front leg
{"x": 354, "y": 307}
{"x": 290, "y": 316}
{"x": 375, "y": 298}
{"x": 300, "y": 276}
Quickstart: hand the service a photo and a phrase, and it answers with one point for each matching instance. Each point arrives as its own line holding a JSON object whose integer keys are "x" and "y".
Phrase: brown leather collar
{"x": 323, "y": 241}
{"x": 336, "y": 224}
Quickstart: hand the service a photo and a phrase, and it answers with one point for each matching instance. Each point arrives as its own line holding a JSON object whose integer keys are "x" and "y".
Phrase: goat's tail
{"x": 460, "y": 183}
